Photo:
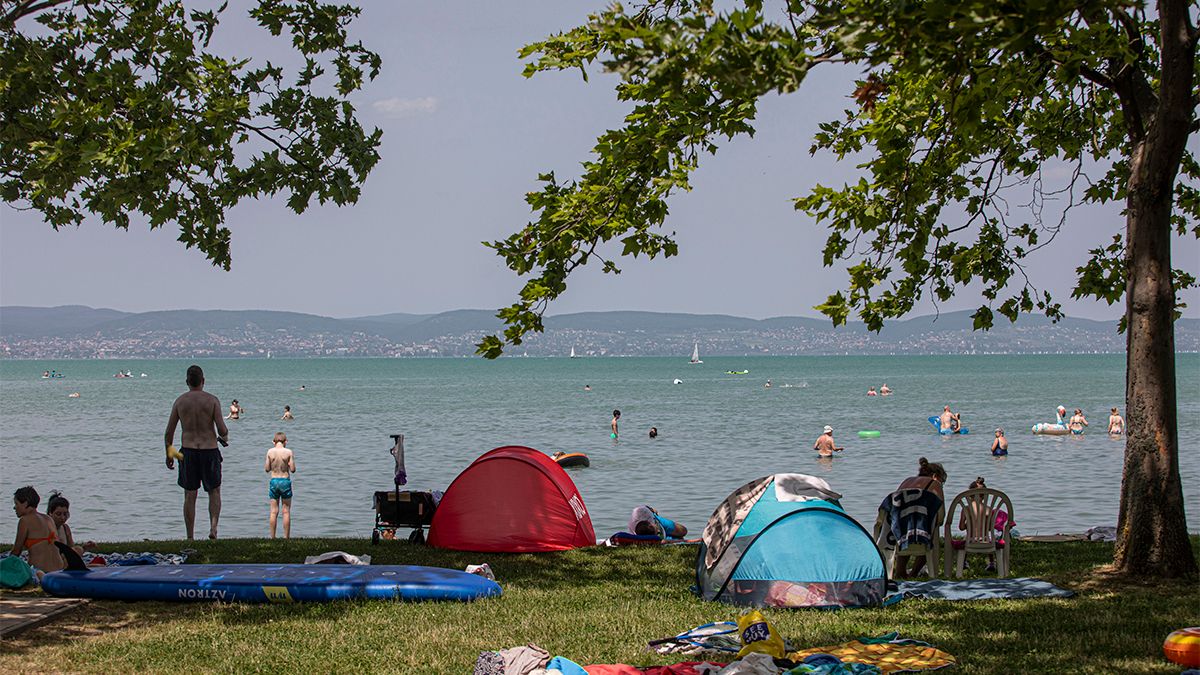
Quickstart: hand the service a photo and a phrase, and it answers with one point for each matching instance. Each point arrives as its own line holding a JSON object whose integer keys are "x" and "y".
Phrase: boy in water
{"x": 281, "y": 464}
{"x": 287, "y": 413}
{"x": 616, "y": 417}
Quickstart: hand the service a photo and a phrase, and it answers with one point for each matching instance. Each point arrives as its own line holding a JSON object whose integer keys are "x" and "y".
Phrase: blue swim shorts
{"x": 281, "y": 488}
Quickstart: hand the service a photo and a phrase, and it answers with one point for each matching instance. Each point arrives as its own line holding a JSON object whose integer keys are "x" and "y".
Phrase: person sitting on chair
{"x": 931, "y": 476}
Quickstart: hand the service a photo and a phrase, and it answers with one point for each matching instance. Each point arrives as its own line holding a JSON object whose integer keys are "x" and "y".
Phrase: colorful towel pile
{"x": 881, "y": 655}
{"x": 890, "y": 653}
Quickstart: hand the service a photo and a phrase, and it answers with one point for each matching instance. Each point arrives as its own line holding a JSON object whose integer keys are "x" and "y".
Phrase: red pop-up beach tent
{"x": 513, "y": 500}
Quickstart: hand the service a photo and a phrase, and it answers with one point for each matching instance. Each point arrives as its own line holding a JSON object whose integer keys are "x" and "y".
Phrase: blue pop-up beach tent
{"x": 784, "y": 541}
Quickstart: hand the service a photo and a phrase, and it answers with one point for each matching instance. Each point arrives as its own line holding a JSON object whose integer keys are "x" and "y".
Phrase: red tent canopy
{"x": 513, "y": 499}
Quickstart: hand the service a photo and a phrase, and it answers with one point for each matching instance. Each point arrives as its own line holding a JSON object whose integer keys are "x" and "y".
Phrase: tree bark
{"x": 1152, "y": 537}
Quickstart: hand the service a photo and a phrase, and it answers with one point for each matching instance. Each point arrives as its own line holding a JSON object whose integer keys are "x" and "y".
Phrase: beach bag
{"x": 758, "y": 635}
{"x": 14, "y": 572}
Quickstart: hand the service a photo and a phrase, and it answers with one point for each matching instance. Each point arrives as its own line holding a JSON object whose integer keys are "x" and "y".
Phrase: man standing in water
{"x": 616, "y": 417}
{"x": 203, "y": 427}
{"x": 824, "y": 445}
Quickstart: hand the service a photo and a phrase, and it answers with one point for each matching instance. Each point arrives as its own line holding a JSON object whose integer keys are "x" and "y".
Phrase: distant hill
{"x": 84, "y": 332}
{"x": 397, "y": 319}
{"x": 16, "y": 321}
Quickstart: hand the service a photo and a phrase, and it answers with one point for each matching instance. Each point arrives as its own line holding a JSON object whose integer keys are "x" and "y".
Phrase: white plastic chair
{"x": 888, "y": 550}
{"x": 979, "y": 509}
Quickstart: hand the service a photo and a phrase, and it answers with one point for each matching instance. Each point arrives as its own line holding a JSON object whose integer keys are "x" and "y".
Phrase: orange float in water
{"x": 1183, "y": 647}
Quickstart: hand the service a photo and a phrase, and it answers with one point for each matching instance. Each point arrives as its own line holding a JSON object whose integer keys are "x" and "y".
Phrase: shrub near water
{"x": 594, "y": 605}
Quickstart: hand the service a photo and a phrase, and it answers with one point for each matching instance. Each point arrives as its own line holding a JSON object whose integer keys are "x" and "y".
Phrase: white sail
{"x": 696, "y": 353}
{"x": 573, "y": 353}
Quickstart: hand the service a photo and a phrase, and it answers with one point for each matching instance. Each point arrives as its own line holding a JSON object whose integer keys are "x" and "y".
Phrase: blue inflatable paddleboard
{"x": 269, "y": 583}
{"x": 937, "y": 424}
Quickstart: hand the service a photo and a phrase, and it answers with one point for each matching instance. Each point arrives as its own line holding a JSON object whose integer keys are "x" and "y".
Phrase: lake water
{"x": 717, "y": 431}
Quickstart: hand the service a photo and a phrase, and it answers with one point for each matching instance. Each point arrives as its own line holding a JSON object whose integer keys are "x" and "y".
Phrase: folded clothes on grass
{"x": 337, "y": 558}
{"x": 981, "y": 589}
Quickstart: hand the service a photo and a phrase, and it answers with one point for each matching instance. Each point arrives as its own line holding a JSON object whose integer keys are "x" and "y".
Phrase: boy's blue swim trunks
{"x": 281, "y": 488}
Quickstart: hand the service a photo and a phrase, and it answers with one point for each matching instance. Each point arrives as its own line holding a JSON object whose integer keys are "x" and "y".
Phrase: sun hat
{"x": 828, "y": 429}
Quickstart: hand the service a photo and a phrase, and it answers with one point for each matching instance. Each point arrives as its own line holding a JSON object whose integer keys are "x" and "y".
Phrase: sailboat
{"x": 573, "y": 353}
{"x": 696, "y": 353}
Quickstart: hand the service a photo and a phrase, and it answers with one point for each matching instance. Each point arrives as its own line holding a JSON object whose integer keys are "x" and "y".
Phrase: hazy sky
{"x": 465, "y": 136}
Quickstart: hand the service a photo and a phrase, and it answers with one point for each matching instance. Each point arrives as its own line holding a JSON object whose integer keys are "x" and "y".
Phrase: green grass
{"x": 595, "y": 605}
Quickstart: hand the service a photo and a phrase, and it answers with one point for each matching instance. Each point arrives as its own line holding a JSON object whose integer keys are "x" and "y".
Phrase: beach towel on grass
{"x": 981, "y": 589}
{"x": 627, "y": 539}
{"x": 92, "y": 559}
{"x": 890, "y": 653}
{"x": 685, "y": 668}
{"x": 136, "y": 558}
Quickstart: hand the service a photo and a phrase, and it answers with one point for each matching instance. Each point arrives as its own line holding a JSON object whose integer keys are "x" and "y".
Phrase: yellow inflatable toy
{"x": 174, "y": 454}
{"x": 1183, "y": 647}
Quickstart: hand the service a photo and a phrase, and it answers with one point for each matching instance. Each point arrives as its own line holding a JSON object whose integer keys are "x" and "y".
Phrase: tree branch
{"x": 28, "y": 7}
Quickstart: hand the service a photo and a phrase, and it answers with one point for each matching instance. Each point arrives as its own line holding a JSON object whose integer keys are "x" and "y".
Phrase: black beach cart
{"x": 401, "y": 508}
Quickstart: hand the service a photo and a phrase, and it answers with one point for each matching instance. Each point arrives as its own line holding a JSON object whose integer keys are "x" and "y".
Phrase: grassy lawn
{"x": 595, "y": 606}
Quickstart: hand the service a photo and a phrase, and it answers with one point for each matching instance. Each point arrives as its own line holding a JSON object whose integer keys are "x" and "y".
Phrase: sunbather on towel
{"x": 646, "y": 520}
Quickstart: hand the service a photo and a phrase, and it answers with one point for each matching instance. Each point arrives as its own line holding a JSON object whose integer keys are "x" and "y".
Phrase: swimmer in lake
{"x": 1116, "y": 425}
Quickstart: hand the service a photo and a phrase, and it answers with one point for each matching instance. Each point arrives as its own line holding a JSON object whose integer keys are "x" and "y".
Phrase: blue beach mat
{"x": 269, "y": 583}
{"x": 981, "y": 589}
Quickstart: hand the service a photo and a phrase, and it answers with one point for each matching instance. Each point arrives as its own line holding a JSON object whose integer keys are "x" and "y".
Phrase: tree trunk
{"x": 1152, "y": 538}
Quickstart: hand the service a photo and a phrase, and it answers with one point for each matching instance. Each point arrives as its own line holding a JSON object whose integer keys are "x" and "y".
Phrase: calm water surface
{"x": 717, "y": 431}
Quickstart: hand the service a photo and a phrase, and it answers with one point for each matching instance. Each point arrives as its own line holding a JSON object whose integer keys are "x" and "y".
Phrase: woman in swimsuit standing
{"x": 35, "y": 533}
{"x": 1000, "y": 445}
